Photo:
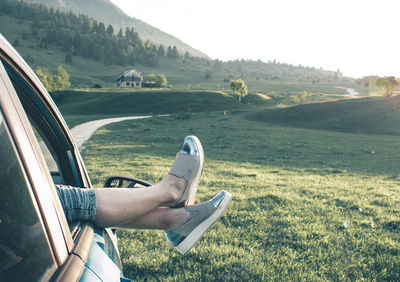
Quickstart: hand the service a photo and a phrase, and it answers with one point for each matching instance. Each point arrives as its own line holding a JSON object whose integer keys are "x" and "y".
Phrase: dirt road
{"x": 84, "y": 131}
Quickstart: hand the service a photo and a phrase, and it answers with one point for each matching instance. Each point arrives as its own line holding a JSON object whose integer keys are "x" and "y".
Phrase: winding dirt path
{"x": 350, "y": 91}
{"x": 84, "y": 131}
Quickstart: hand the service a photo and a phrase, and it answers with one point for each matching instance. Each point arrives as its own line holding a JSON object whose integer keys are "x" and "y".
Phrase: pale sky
{"x": 358, "y": 37}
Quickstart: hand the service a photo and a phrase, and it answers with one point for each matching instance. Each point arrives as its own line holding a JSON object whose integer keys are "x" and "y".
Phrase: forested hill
{"x": 80, "y": 35}
{"x": 106, "y": 12}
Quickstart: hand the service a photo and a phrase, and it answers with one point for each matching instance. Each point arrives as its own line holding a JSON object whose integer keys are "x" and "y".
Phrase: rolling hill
{"x": 132, "y": 102}
{"x": 377, "y": 115}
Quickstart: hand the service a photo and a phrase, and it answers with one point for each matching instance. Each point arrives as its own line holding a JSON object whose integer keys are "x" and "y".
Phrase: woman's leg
{"x": 119, "y": 206}
{"x": 184, "y": 226}
{"x": 161, "y": 218}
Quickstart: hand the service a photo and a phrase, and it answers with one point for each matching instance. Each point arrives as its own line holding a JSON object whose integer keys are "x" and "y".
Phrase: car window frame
{"x": 52, "y": 267}
{"x": 34, "y": 167}
{"x": 70, "y": 252}
{"x": 70, "y": 152}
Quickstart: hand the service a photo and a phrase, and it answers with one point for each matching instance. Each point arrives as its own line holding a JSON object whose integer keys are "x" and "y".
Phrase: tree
{"x": 387, "y": 83}
{"x": 238, "y": 86}
{"x": 186, "y": 56}
{"x": 147, "y": 44}
{"x": 159, "y": 79}
{"x": 150, "y": 77}
{"x": 161, "y": 51}
{"x": 172, "y": 52}
{"x": 101, "y": 28}
{"x": 61, "y": 79}
{"x": 169, "y": 52}
{"x": 110, "y": 30}
{"x": 68, "y": 59}
{"x": 175, "y": 53}
{"x": 58, "y": 81}
{"x": 46, "y": 78}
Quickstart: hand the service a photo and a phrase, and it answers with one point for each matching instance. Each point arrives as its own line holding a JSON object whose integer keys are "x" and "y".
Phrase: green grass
{"x": 293, "y": 189}
{"x": 131, "y": 102}
{"x": 296, "y": 175}
{"x": 92, "y": 104}
{"x": 368, "y": 116}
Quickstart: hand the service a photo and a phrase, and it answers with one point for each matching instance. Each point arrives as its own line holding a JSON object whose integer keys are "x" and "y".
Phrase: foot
{"x": 188, "y": 165}
{"x": 202, "y": 217}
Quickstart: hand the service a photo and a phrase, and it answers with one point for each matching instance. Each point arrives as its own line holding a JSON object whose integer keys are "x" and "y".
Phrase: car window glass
{"x": 24, "y": 250}
{"x": 39, "y": 119}
{"x": 51, "y": 161}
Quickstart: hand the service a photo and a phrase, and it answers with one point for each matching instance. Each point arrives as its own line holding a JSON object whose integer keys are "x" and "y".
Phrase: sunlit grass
{"x": 292, "y": 189}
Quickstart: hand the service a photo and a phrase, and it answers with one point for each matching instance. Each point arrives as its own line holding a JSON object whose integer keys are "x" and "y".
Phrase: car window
{"x": 50, "y": 157}
{"x": 43, "y": 118}
{"x": 55, "y": 146}
{"x": 25, "y": 254}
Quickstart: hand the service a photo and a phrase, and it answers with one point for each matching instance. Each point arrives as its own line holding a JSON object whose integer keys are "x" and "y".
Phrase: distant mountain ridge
{"x": 107, "y": 12}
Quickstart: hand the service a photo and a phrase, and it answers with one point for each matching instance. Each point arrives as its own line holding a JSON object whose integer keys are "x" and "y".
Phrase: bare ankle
{"x": 174, "y": 186}
{"x": 175, "y": 218}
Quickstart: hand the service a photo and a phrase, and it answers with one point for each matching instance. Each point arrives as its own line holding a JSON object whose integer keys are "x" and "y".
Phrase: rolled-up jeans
{"x": 79, "y": 204}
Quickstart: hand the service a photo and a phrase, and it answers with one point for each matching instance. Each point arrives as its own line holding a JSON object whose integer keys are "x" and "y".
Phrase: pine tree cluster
{"x": 80, "y": 35}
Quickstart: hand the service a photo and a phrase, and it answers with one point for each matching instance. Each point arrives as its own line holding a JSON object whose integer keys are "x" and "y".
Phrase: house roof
{"x": 129, "y": 73}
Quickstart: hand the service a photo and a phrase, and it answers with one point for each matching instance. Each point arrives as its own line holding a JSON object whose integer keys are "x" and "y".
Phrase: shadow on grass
{"x": 164, "y": 101}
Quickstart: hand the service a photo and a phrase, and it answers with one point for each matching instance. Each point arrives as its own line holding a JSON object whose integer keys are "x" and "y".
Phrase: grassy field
{"x": 372, "y": 115}
{"x": 90, "y": 103}
{"x": 308, "y": 203}
{"x": 163, "y": 101}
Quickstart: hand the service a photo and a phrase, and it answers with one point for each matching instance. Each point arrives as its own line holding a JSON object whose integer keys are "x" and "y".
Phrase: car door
{"x": 33, "y": 125}
{"x": 23, "y": 206}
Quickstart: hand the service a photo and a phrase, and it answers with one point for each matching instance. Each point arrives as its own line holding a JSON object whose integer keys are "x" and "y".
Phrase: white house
{"x": 130, "y": 78}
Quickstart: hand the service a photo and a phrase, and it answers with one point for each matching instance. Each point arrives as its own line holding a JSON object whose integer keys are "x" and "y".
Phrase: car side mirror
{"x": 125, "y": 182}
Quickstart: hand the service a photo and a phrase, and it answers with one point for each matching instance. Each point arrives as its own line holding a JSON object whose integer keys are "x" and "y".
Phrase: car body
{"x": 37, "y": 151}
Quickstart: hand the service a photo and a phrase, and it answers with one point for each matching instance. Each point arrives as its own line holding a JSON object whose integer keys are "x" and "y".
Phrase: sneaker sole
{"x": 196, "y": 234}
{"x": 193, "y": 189}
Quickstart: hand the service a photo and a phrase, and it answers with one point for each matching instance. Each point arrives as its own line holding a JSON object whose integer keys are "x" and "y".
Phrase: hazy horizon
{"x": 357, "y": 37}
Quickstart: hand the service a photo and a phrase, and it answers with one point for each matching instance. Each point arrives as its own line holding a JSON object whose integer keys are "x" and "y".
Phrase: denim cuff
{"x": 79, "y": 204}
